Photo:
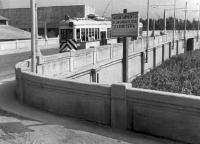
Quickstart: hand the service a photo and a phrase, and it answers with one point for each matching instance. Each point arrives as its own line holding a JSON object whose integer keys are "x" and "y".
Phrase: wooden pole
{"x": 174, "y": 29}
{"x": 147, "y": 42}
{"x": 198, "y": 25}
{"x": 125, "y": 56}
{"x": 33, "y": 41}
{"x": 165, "y": 23}
{"x": 45, "y": 33}
{"x": 185, "y": 40}
{"x": 36, "y": 31}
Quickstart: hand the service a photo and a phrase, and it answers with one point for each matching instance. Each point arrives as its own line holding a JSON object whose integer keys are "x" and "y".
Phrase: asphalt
{"x": 9, "y": 103}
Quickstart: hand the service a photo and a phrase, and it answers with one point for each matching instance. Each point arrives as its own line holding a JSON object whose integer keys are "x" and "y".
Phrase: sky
{"x": 115, "y": 6}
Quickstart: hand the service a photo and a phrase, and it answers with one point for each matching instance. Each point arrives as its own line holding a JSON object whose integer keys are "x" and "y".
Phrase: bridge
{"x": 87, "y": 84}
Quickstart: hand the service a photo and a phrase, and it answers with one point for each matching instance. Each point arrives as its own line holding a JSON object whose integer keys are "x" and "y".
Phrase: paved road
{"x": 7, "y": 62}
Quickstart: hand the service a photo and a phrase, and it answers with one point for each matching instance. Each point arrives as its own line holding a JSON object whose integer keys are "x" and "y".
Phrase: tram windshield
{"x": 66, "y": 34}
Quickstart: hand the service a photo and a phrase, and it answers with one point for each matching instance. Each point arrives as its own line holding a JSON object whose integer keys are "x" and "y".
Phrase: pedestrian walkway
{"x": 9, "y": 103}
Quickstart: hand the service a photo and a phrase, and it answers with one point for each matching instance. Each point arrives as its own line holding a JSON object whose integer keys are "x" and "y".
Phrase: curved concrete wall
{"x": 81, "y": 100}
{"x": 117, "y": 105}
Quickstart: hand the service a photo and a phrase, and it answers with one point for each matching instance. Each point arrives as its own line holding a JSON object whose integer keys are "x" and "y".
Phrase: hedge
{"x": 180, "y": 74}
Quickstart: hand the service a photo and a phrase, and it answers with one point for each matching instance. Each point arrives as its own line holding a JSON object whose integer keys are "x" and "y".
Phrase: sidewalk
{"x": 11, "y": 105}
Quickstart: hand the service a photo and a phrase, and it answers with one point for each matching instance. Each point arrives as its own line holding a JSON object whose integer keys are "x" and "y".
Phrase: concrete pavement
{"x": 9, "y": 103}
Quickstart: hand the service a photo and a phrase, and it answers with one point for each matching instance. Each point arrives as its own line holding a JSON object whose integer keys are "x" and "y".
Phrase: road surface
{"x": 7, "y": 62}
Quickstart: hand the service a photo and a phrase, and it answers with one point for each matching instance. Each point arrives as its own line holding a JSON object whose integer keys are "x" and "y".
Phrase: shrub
{"x": 180, "y": 74}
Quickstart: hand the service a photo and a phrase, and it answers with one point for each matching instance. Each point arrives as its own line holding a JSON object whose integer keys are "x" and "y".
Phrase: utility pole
{"x": 45, "y": 33}
{"x": 33, "y": 55}
{"x": 165, "y": 23}
{"x": 154, "y": 26}
{"x": 185, "y": 41}
{"x": 147, "y": 42}
{"x": 174, "y": 30}
{"x": 36, "y": 30}
{"x": 198, "y": 23}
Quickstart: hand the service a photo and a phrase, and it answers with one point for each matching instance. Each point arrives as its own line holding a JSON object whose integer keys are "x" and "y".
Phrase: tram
{"x": 83, "y": 33}
{"x": 77, "y": 32}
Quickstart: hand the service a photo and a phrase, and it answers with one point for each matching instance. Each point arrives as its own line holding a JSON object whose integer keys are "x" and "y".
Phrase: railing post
{"x": 163, "y": 53}
{"x": 154, "y": 57}
{"x": 94, "y": 55}
{"x": 71, "y": 62}
{"x": 17, "y": 44}
{"x": 111, "y": 52}
{"x": 142, "y": 62}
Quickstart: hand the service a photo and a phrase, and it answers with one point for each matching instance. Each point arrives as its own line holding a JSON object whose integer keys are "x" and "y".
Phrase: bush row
{"x": 180, "y": 74}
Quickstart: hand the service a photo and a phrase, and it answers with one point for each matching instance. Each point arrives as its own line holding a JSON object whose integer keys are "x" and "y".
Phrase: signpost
{"x": 125, "y": 25}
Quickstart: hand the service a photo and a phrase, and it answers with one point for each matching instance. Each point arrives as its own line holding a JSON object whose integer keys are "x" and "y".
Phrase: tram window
{"x": 66, "y": 33}
{"x": 90, "y": 34}
{"x": 78, "y": 34}
{"x": 108, "y": 32}
{"x": 96, "y": 33}
{"x": 83, "y": 34}
{"x": 92, "y": 31}
{"x": 63, "y": 33}
{"x": 93, "y": 36}
{"x": 87, "y": 33}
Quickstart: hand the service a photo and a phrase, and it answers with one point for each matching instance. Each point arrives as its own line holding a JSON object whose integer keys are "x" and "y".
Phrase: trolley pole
{"x": 185, "y": 40}
{"x": 33, "y": 41}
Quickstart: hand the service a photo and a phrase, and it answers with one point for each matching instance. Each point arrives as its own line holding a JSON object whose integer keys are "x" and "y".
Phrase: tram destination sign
{"x": 125, "y": 24}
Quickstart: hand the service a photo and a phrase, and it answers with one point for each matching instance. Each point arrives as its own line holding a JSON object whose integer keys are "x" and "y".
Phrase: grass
{"x": 180, "y": 74}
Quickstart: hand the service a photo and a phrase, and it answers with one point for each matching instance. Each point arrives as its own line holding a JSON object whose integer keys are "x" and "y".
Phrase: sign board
{"x": 125, "y": 24}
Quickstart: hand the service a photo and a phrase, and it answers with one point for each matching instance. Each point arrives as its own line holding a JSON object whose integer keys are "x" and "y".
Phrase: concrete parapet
{"x": 169, "y": 115}
{"x": 119, "y": 105}
{"x": 10, "y": 47}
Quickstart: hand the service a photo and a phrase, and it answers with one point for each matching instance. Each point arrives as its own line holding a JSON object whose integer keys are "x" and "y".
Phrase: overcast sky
{"x": 115, "y": 5}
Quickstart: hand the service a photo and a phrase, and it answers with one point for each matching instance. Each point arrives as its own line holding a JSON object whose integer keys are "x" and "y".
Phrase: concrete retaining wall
{"x": 107, "y": 60}
{"x": 169, "y": 115}
{"x": 81, "y": 100}
{"x": 17, "y": 46}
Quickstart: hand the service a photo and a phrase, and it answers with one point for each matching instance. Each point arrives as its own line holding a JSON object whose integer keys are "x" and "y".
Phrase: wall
{"x": 17, "y": 46}
{"x": 81, "y": 100}
{"x": 169, "y": 115}
{"x": 106, "y": 61}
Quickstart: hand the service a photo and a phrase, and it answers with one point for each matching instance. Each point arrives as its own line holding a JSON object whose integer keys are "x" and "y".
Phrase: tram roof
{"x": 84, "y": 21}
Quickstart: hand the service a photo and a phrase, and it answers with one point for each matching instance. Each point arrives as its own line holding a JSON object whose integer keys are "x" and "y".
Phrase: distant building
{"x": 21, "y": 17}
{"x": 8, "y": 33}
{"x": 3, "y": 21}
